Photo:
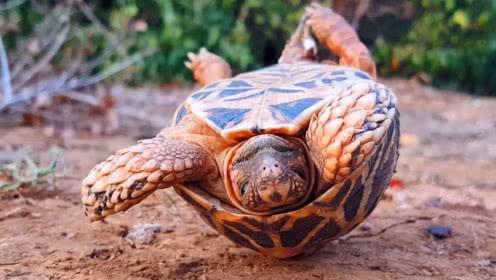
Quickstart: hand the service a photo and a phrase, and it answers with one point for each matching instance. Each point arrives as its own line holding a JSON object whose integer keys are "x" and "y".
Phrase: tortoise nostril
{"x": 276, "y": 165}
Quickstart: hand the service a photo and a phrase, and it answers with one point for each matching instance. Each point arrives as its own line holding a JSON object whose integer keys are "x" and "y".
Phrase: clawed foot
{"x": 322, "y": 20}
{"x": 335, "y": 33}
{"x": 314, "y": 8}
{"x": 207, "y": 67}
{"x": 301, "y": 45}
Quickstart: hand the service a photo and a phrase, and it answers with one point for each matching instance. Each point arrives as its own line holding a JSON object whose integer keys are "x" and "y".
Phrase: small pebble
{"x": 145, "y": 233}
{"x": 486, "y": 262}
{"x": 365, "y": 227}
{"x": 439, "y": 231}
{"x": 435, "y": 202}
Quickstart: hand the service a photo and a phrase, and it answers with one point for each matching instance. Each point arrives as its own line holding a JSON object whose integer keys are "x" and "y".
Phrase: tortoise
{"x": 280, "y": 160}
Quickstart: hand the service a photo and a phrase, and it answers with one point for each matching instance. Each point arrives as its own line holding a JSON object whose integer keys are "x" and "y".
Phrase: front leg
{"x": 358, "y": 127}
{"x": 130, "y": 175}
{"x": 208, "y": 67}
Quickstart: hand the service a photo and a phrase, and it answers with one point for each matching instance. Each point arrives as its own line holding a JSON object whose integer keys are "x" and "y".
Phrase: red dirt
{"x": 446, "y": 174}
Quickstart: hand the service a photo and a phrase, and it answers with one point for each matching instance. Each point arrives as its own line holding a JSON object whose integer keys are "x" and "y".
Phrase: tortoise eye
{"x": 244, "y": 188}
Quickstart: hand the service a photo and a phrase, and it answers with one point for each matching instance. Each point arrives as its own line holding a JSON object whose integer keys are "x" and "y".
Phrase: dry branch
{"x": 34, "y": 80}
{"x": 45, "y": 34}
{"x": 6, "y": 82}
{"x": 361, "y": 9}
{"x": 65, "y": 83}
{"x": 383, "y": 230}
{"x": 90, "y": 15}
{"x": 45, "y": 60}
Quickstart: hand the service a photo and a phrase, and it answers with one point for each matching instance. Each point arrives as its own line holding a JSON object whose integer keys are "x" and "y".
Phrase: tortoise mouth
{"x": 270, "y": 174}
{"x": 266, "y": 194}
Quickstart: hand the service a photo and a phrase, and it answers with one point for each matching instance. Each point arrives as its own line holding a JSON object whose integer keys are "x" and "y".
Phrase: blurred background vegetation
{"x": 451, "y": 43}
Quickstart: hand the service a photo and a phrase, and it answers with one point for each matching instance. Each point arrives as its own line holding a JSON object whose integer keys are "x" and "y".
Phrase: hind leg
{"x": 300, "y": 46}
{"x": 208, "y": 67}
{"x": 335, "y": 33}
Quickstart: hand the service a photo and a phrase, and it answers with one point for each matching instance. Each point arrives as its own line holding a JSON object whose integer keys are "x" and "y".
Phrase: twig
{"x": 10, "y": 5}
{"x": 4, "y": 64}
{"x": 62, "y": 85}
{"x": 45, "y": 34}
{"x": 90, "y": 15}
{"x": 9, "y": 263}
{"x": 67, "y": 177}
{"x": 113, "y": 69}
{"x": 80, "y": 97}
{"x": 24, "y": 200}
{"x": 100, "y": 59}
{"x": 367, "y": 235}
{"x": 361, "y": 9}
{"x": 15, "y": 213}
{"x": 142, "y": 116}
{"x": 31, "y": 76}
{"x": 42, "y": 63}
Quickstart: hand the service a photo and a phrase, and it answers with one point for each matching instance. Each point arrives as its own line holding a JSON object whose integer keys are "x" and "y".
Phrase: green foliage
{"x": 246, "y": 33}
{"x": 454, "y": 41}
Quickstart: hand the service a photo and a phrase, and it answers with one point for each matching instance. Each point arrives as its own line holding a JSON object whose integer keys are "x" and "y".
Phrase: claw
{"x": 207, "y": 67}
{"x": 315, "y": 5}
{"x": 191, "y": 56}
{"x": 310, "y": 46}
{"x": 309, "y": 10}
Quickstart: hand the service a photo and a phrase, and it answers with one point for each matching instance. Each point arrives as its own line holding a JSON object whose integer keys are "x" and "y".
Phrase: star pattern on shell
{"x": 279, "y": 99}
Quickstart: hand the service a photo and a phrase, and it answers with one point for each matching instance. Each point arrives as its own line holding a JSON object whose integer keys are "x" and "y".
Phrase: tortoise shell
{"x": 281, "y": 99}
{"x": 352, "y": 135}
{"x": 305, "y": 230}
{"x": 275, "y": 100}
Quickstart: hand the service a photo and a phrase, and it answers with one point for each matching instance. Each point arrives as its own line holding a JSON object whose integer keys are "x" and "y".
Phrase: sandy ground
{"x": 446, "y": 176}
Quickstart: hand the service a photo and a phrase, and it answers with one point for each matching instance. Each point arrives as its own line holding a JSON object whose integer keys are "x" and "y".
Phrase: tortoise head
{"x": 270, "y": 173}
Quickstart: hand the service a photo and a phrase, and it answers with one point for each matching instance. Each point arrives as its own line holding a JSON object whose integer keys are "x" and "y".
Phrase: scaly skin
{"x": 345, "y": 132}
{"x": 300, "y": 46}
{"x": 130, "y": 175}
{"x": 336, "y": 34}
{"x": 208, "y": 67}
{"x": 352, "y": 141}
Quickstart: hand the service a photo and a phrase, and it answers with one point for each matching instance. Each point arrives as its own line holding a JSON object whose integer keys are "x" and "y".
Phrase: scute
{"x": 307, "y": 229}
{"x": 278, "y": 99}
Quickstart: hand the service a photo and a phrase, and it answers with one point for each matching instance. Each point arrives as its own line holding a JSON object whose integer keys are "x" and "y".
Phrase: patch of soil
{"x": 447, "y": 175}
